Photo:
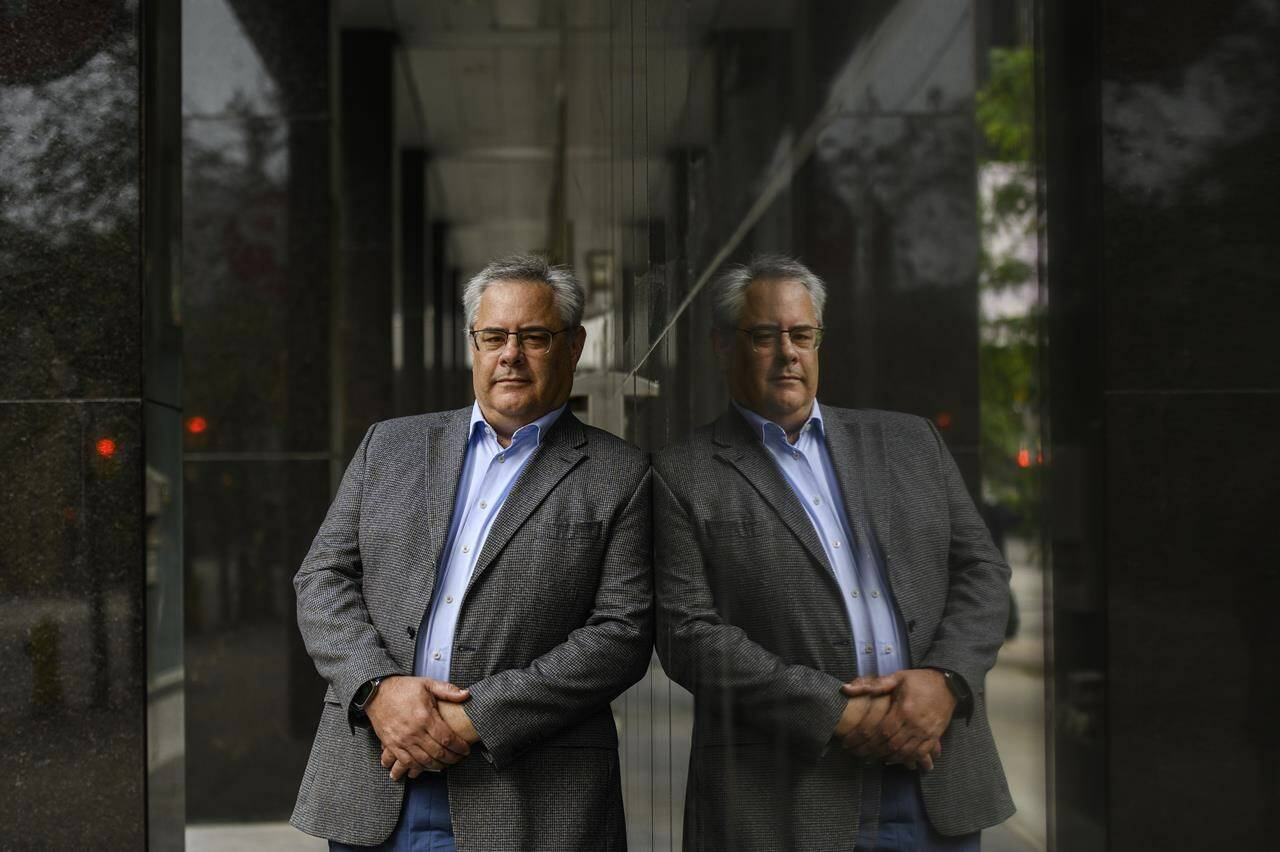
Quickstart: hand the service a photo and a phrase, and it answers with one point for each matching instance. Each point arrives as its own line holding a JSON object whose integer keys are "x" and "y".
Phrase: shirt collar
{"x": 535, "y": 430}
{"x": 767, "y": 428}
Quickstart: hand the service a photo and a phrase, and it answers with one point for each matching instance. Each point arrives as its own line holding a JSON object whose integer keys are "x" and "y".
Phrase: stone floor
{"x": 282, "y": 837}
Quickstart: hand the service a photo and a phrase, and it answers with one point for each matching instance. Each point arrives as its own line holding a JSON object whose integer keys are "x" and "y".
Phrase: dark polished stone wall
{"x": 411, "y": 284}
{"x": 1078, "y": 580}
{"x": 72, "y": 407}
{"x": 364, "y": 383}
{"x": 1162, "y": 133}
{"x": 1190, "y": 119}
{"x": 257, "y": 261}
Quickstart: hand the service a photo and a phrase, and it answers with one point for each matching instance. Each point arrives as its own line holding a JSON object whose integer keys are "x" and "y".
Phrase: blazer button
{"x": 412, "y": 631}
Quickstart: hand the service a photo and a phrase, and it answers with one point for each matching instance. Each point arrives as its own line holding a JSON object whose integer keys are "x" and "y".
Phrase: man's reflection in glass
{"x": 831, "y": 597}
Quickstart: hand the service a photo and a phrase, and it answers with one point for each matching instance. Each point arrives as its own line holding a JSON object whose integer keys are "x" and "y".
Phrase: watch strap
{"x": 960, "y": 691}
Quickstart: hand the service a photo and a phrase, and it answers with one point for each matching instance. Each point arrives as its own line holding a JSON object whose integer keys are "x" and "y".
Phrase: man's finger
{"x": 856, "y": 744}
{"x": 421, "y": 755}
{"x": 925, "y": 753}
{"x": 871, "y": 722}
{"x": 871, "y": 686}
{"x": 858, "y": 738}
{"x": 401, "y": 767}
{"x": 899, "y": 742}
{"x": 431, "y": 749}
{"x": 889, "y": 725}
{"x": 910, "y": 750}
{"x": 387, "y": 760}
{"x": 438, "y": 729}
{"x": 447, "y": 691}
{"x": 880, "y": 747}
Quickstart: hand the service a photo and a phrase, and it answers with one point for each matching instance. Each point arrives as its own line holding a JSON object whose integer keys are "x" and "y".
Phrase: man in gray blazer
{"x": 479, "y": 591}
{"x": 799, "y": 548}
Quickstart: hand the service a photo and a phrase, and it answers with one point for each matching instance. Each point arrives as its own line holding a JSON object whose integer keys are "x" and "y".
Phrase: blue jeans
{"x": 903, "y": 825}
{"x": 424, "y": 824}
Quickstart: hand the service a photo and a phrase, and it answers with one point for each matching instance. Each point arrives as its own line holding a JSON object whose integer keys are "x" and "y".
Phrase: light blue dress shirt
{"x": 806, "y": 465}
{"x": 489, "y": 471}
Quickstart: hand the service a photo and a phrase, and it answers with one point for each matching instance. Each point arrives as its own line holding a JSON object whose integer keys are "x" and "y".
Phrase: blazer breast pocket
{"x": 731, "y": 529}
{"x": 572, "y": 531}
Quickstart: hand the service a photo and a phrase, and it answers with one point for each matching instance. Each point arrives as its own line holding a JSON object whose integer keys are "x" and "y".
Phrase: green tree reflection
{"x": 1010, "y": 317}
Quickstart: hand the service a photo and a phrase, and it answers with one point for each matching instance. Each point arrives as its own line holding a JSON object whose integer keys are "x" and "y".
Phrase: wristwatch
{"x": 960, "y": 691}
{"x": 365, "y": 694}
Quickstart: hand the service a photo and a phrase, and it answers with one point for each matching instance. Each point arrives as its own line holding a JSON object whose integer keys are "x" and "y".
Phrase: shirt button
{"x": 836, "y": 544}
{"x": 795, "y": 454}
{"x": 875, "y": 594}
{"x": 466, "y": 548}
{"x": 483, "y": 505}
{"x": 817, "y": 500}
{"x": 448, "y": 598}
{"x": 435, "y": 655}
{"x": 888, "y": 649}
{"x": 854, "y": 593}
{"x": 869, "y": 649}
{"x": 501, "y": 459}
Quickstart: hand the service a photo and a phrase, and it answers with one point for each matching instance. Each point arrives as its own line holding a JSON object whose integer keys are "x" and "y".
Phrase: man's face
{"x": 781, "y": 384}
{"x": 514, "y": 385}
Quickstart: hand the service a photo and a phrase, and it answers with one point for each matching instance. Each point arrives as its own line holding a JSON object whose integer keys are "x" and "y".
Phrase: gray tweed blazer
{"x": 557, "y": 621}
{"x": 750, "y": 620}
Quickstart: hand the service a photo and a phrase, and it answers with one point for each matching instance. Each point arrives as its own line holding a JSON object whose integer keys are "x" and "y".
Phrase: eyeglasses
{"x": 768, "y": 338}
{"x": 532, "y": 340}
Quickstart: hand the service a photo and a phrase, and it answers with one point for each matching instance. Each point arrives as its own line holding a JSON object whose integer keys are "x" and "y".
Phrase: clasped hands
{"x": 421, "y": 724}
{"x": 898, "y": 718}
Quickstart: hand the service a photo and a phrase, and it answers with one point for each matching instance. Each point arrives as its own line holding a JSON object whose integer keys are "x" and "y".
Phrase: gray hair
{"x": 729, "y": 293}
{"x": 568, "y": 294}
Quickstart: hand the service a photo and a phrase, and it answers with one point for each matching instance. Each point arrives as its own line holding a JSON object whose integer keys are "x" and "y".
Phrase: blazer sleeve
{"x": 717, "y": 661}
{"x": 977, "y": 608}
{"x": 335, "y": 625}
{"x": 515, "y": 709}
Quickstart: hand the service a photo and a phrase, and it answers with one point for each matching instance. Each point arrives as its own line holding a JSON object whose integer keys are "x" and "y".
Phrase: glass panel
{"x": 649, "y": 146}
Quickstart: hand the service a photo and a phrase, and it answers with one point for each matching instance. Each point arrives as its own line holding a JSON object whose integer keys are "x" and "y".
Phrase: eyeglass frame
{"x": 777, "y": 333}
{"x": 472, "y": 332}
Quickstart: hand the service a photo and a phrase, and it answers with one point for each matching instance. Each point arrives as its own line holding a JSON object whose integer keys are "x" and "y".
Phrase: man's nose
{"x": 511, "y": 351}
{"x": 787, "y": 350}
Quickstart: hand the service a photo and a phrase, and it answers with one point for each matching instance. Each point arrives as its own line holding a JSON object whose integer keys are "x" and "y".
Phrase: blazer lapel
{"x": 435, "y": 466}
{"x": 558, "y": 454}
{"x": 745, "y": 452}
{"x": 446, "y": 446}
{"x": 858, "y": 456}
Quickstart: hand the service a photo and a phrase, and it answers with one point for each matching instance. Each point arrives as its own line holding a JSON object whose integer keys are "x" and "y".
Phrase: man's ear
{"x": 577, "y": 342}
